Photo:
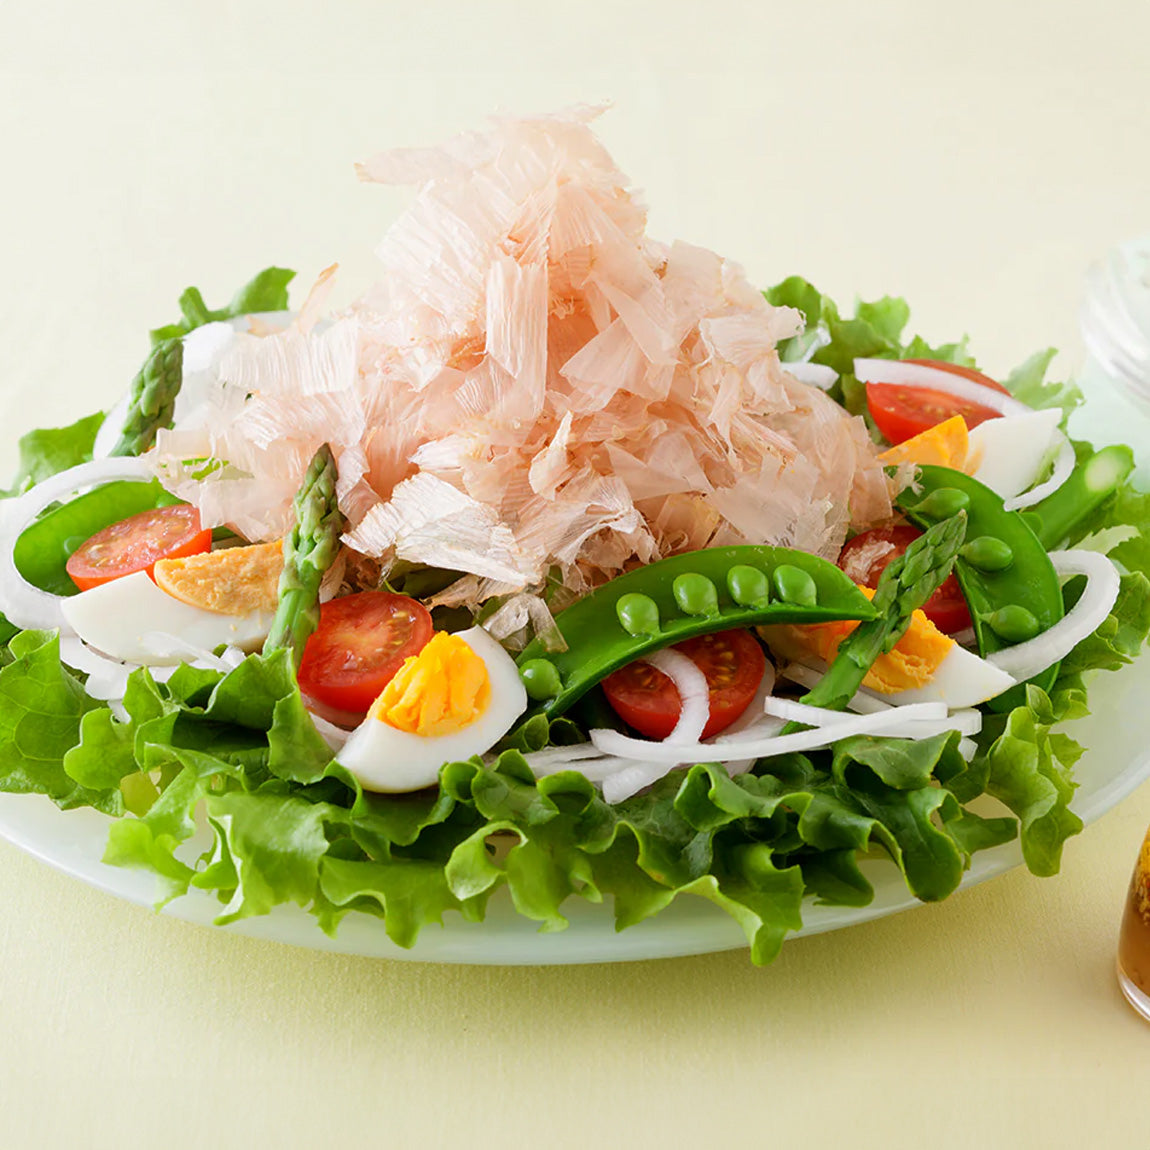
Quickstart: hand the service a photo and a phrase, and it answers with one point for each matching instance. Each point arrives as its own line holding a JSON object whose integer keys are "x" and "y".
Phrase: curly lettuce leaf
{"x": 50, "y": 450}
{"x": 42, "y": 709}
{"x": 1028, "y": 383}
{"x": 266, "y": 291}
{"x": 1028, "y": 769}
{"x": 753, "y": 845}
{"x": 875, "y": 331}
{"x": 1121, "y": 637}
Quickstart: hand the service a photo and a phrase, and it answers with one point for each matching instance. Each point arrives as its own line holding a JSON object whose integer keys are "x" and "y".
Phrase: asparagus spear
{"x": 310, "y": 548}
{"x": 905, "y": 585}
{"x": 155, "y": 388}
{"x": 153, "y": 398}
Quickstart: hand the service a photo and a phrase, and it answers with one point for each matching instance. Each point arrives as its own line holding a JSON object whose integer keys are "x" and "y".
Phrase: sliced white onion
{"x": 739, "y": 767}
{"x": 334, "y": 736}
{"x": 865, "y": 701}
{"x": 165, "y": 646}
{"x": 816, "y": 374}
{"x": 796, "y": 712}
{"x": 632, "y": 779}
{"x": 107, "y": 677}
{"x": 1063, "y": 468}
{"x": 561, "y": 756}
{"x": 919, "y": 375}
{"x": 694, "y": 694}
{"x": 967, "y": 748}
{"x": 1025, "y": 660}
{"x": 24, "y": 605}
{"x": 109, "y": 434}
{"x": 765, "y": 726}
{"x": 347, "y": 720}
{"x": 966, "y": 721}
{"x": 695, "y": 710}
{"x": 613, "y": 743}
{"x": 601, "y": 769}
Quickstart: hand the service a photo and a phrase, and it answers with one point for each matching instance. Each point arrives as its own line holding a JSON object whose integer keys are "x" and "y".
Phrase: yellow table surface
{"x": 972, "y": 157}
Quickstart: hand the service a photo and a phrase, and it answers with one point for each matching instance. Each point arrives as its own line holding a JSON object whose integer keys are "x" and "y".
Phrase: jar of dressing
{"x": 1134, "y": 936}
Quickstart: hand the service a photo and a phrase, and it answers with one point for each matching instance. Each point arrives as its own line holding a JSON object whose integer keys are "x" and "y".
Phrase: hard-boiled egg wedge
{"x": 457, "y": 698}
{"x": 944, "y": 445}
{"x": 1009, "y": 454}
{"x": 924, "y": 666}
{"x": 135, "y": 621}
{"x": 235, "y": 581}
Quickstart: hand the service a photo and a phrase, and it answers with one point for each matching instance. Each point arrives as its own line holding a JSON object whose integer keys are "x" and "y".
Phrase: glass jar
{"x": 1134, "y": 937}
{"x": 1115, "y": 326}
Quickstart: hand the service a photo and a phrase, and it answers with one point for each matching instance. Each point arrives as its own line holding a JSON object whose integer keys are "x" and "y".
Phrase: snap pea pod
{"x": 1010, "y": 585}
{"x": 679, "y": 598}
{"x": 1089, "y": 485}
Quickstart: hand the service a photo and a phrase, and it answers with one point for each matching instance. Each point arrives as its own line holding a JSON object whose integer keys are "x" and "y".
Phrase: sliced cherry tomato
{"x": 361, "y": 641}
{"x": 901, "y": 411}
{"x": 646, "y": 699}
{"x": 867, "y": 554}
{"x": 138, "y": 544}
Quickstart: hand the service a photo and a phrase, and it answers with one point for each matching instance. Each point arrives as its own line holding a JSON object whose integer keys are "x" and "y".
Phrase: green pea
{"x": 638, "y": 614}
{"x": 795, "y": 586}
{"x": 541, "y": 679}
{"x": 695, "y": 594}
{"x": 1013, "y": 623}
{"x": 988, "y": 553}
{"x": 943, "y": 502}
{"x": 749, "y": 587}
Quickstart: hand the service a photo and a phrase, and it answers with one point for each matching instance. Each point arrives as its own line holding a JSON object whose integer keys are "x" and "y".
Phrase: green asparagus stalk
{"x": 310, "y": 548}
{"x": 905, "y": 585}
{"x": 153, "y": 398}
{"x": 1091, "y": 483}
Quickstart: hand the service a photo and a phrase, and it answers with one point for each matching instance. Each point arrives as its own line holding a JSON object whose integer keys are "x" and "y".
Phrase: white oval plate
{"x": 1117, "y": 734}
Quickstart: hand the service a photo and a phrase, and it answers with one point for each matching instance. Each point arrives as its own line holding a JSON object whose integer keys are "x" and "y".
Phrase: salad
{"x": 564, "y": 561}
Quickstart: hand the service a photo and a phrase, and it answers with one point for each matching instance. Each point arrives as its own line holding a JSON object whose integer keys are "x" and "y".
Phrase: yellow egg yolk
{"x": 912, "y": 662}
{"x": 944, "y": 445}
{"x": 441, "y": 690}
{"x": 234, "y": 581}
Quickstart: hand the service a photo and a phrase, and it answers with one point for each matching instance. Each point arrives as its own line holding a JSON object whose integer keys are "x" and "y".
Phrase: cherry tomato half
{"x": 868, "y": 553}
{"x": 361, "y": 642}
{"x": 138, "y": 544}
{"x": 646, "y": 699}
{"x": 901, "y": 411}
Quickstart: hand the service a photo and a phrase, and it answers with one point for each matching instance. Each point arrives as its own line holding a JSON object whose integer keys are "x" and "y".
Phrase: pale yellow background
{"x": 974, "y": 157}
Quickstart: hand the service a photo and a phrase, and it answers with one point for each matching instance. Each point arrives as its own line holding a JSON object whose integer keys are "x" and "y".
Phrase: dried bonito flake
{"x": 535, "y": 385}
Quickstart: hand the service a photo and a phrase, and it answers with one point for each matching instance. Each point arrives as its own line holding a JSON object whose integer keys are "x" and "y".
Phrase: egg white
{"x": 133, "y": 620}
{"x": 961, "y": 680}
{"x": 1012, "y": 451}
{"x": 391, "y": 761}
